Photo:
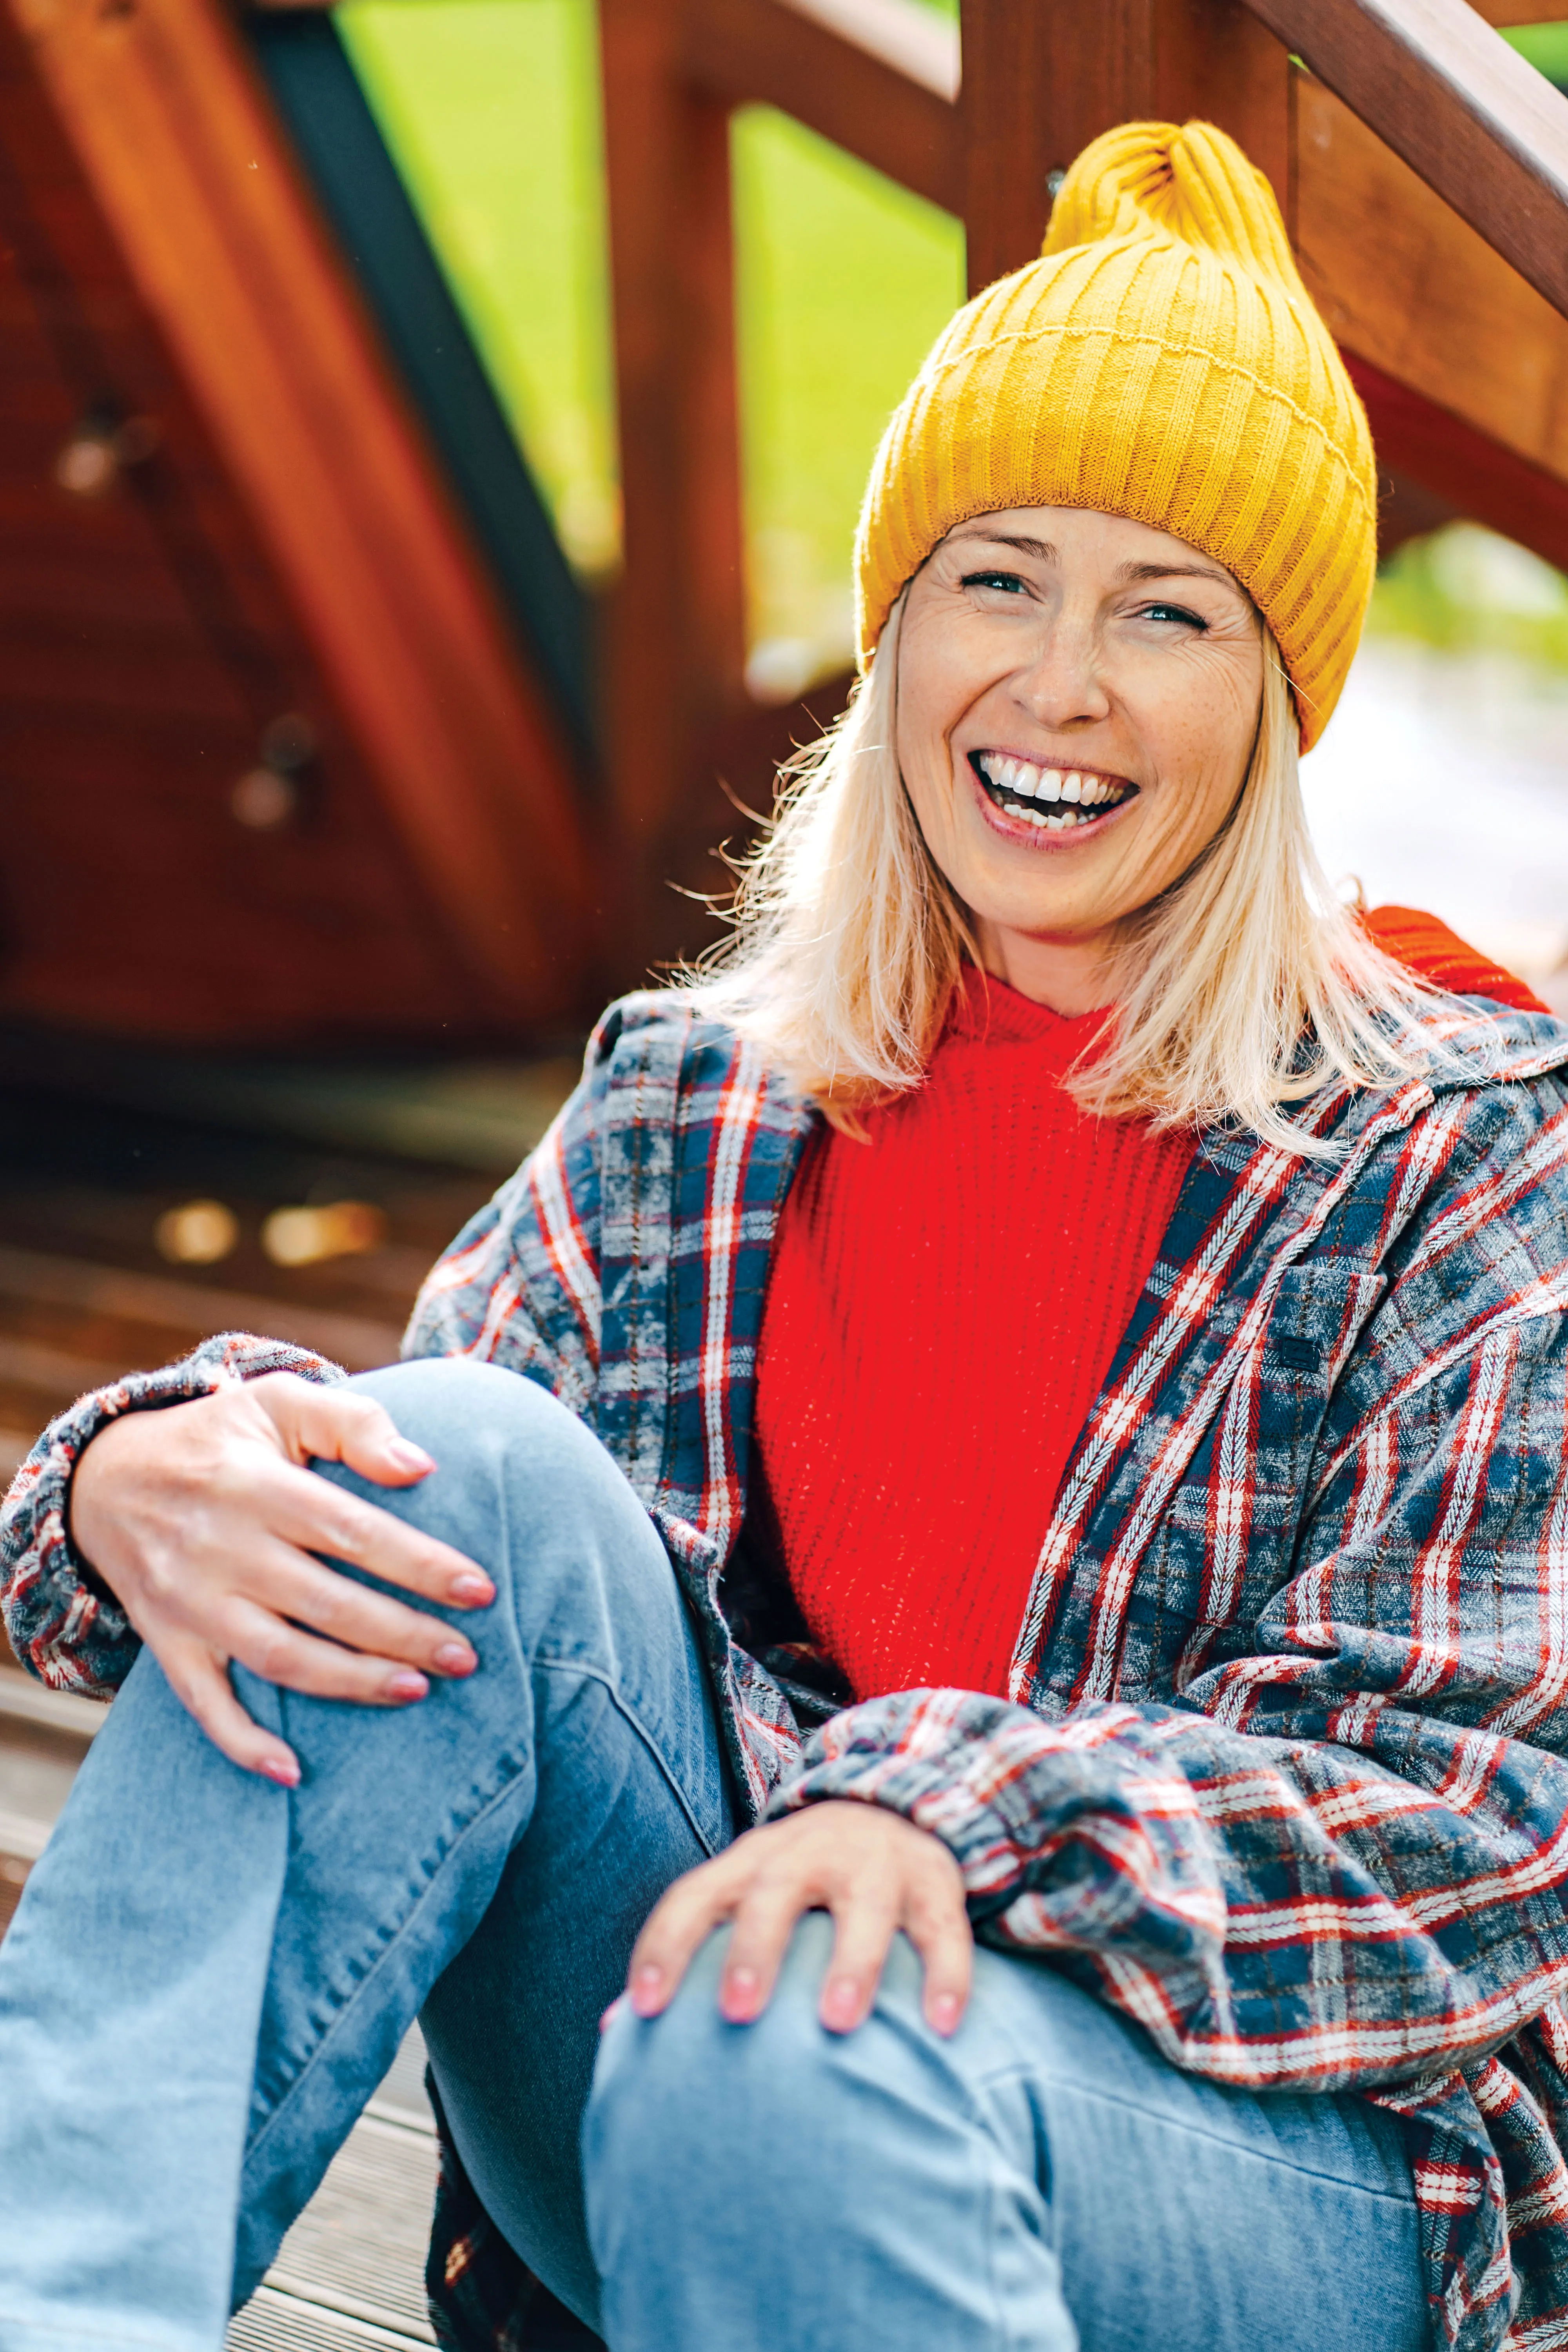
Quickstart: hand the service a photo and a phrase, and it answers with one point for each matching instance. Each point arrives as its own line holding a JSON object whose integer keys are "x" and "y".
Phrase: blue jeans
{"x": 207, "y": 1977}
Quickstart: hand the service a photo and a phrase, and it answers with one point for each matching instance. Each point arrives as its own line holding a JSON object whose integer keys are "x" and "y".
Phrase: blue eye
{"x": 1175, "y": 613}
{"x": 1008, "y": 582}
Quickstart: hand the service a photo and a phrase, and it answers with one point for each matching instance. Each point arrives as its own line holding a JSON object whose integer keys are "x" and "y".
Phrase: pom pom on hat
{"x": 1161, "y": 361}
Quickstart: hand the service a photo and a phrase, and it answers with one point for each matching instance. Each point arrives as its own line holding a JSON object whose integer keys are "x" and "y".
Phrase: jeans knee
{"x": 455, "y": 1404}
{"x": 688, "y": 2085}
{"x": 498, "y": 1440}
{"x": 522, "y": 1486}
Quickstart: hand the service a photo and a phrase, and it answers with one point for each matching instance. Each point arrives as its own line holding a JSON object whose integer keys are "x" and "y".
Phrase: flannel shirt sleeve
{"x": 520, "y": 1285}
{"x": 1340, "y": 1862}
{"x": 61, "y": 1622}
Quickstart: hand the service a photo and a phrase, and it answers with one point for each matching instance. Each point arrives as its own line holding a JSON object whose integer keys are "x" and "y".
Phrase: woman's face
{"x": 1078, "y": 697}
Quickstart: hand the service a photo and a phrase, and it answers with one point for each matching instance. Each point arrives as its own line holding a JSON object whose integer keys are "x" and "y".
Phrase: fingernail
{"x": 281, "y": 1769}
{"x": 406, "y": 1684}
{"x": 407, "y": 1456}
{"x": 645, "y": 1988}
{"x": 841, "y": 2001}
{"x": 740, "y": 1995}
{"x": 604, "y": 2020}
{"x": 469, "y": 1586}
{"x": 455, "y": 1658}
{"x": 944, "y": 2013}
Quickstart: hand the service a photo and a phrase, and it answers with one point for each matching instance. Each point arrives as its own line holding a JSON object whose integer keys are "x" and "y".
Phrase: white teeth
{"x": 1023, "y": 781}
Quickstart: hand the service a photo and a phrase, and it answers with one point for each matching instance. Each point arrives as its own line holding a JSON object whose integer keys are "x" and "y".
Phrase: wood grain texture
{"x": 767, "y": 52}
{"x": 183, "y": 156}
{"x": 1463, "y": 471}
{"x": 675, "y": 634}
{"x": 1519, "y": 12}
{"x": 145, "y": 644}
{"x": 1449, "y": 96}
{"x": 1407, "y": 285}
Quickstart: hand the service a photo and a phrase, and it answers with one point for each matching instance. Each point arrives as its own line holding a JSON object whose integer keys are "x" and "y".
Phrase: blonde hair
{"x": 1246, "y": 986}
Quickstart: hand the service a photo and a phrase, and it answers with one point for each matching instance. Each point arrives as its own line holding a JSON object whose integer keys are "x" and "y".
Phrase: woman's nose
{"x": 1062, "y": 684}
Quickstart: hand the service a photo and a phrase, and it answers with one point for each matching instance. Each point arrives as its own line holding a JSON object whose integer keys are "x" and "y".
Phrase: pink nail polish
{"x": 409, "y": 1456}
{"x": 284, "y": 1775}
{"x": 944, "y": 2013}
{"x": 841, "y": 2002}
{"x": 646, "y": 1986}
{"x": 455, "y": 1658}
{"x": 469, "y": 1588}
{"x": 406, "y": 1684}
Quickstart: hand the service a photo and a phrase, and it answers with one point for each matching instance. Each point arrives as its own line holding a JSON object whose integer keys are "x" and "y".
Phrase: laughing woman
{"x": 1025, "y": 1412}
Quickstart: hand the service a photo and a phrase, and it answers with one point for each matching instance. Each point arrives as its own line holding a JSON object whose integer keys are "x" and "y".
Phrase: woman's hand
{"x": 872, "y": 1869}
{"x": 202, "y": 1520}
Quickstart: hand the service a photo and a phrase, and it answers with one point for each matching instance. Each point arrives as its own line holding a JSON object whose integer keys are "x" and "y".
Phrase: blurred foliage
{"x": 1467, "y": 590}
{"x": 490, "y": 110}
{"x": 1546, "y": 47}
{"x": 843, "y": 281}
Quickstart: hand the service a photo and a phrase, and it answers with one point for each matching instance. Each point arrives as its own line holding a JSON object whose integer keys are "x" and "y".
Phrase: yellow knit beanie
{"x": 1163, "y": 361}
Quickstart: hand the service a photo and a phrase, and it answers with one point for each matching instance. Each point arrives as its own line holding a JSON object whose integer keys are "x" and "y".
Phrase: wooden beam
{"x": 1042, "y": 78}
{"x": 1405, "y": 285}
{"x": 191, "y": 172}
{"x": 1459, "y": 106}
{"x": 1519, "y": 12}
{"x": 907, "y": 34}
{"x": 1469, "y": 473}
{"x": 767, "y": 52}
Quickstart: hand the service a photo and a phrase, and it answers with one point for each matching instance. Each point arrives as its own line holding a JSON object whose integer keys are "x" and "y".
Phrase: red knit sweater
{"x": 943, "y": 1305}
{"x": 942, "y": 1308}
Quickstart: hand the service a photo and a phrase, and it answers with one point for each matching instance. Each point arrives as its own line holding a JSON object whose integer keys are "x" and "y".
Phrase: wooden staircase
{"x": 85, "y": 1295}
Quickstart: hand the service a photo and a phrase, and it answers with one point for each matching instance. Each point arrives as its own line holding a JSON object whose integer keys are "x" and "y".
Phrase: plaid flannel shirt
{"x": 1283, "y": 1774}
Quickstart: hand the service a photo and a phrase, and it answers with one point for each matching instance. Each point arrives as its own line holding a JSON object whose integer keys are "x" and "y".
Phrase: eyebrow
{"x": 1132, "y": 571}
{"x": 1040, "y": 548}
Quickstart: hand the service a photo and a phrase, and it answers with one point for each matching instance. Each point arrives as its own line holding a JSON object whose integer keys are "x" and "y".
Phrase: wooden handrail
{"x": 922, "y": 47}
{"x": 1519, "y": 12}
{"x": 1441, "y": 88}
{"x": 827, "y": 76}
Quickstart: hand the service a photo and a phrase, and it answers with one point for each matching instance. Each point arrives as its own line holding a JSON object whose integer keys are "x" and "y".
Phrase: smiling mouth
{"x": 1052, "y": 799}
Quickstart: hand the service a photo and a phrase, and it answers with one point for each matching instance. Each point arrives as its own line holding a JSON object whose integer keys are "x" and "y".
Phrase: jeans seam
{"x": 587, "y": 1674}
{"x": 346, "y": 2010}
{"x": 1032, "y": 2077}
{"x": 600, "y": 1674}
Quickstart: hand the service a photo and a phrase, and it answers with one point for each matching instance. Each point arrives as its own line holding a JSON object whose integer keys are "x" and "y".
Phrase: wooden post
{"x": 675, "y": 618}
{"x": 1042, "y": 78}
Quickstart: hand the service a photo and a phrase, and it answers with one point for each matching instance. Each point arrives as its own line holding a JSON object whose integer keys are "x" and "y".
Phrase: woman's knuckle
{"x": 273, "y": 1653}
